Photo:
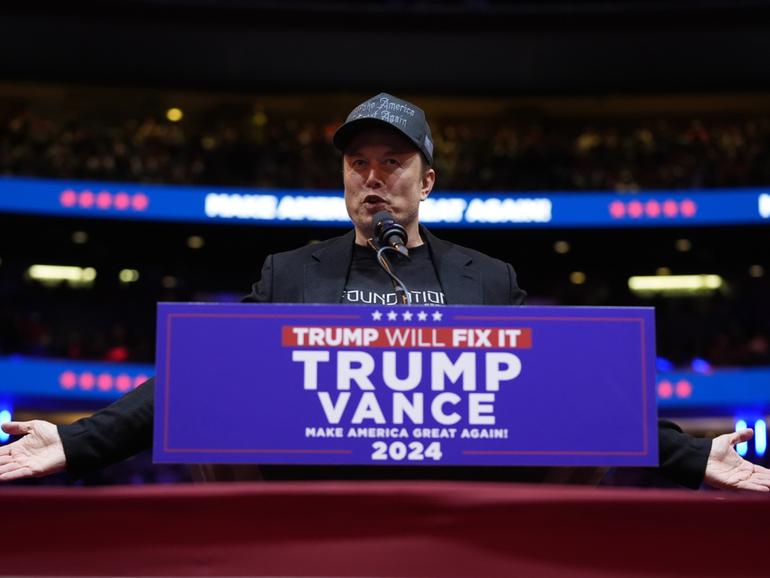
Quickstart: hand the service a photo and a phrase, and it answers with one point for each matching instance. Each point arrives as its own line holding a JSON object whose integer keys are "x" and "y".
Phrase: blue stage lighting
{"x": 5, "y": 416}
{"x": 760, "y": 437}
{"x": 742, "y": 448}
{"x": 664, "y": 364}
{"x": 701, "y": 365}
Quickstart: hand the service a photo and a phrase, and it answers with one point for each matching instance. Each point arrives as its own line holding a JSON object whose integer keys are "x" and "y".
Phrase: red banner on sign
{"x": 407, "y": 337}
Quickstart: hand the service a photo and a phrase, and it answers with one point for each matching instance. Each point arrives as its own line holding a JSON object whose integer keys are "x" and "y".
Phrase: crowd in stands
{"x": 514, "y": 152}
{"x": 721, "y": 332}
{"x": 69, "y": 324}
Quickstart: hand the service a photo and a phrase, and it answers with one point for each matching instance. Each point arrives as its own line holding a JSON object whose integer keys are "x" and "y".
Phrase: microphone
{"x": 390, "y": 236}
{"x": 389, "y": 233}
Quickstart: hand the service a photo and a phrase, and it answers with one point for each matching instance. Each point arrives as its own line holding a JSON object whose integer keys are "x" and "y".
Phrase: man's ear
{"x": 428, "y": 180}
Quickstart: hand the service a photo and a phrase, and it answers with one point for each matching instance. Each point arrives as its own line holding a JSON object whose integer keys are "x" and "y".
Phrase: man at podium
{"x": 387, "y": 152}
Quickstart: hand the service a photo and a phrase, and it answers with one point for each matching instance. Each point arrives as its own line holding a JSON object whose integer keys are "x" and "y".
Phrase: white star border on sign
{"x": 376, "y": 315}
{"x": 422, "y": 316}
{"x": 407, "y": 315}
{"x": 392, "y": 315}
{"x": 437, "y": 315}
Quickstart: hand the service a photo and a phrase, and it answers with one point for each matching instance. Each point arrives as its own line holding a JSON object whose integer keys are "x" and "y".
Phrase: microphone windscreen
{"x": 389, "y": 233}
{"x": 381, "y": 220}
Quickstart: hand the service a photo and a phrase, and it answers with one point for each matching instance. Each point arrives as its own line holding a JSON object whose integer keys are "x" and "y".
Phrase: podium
{"x": 405, "y": 385}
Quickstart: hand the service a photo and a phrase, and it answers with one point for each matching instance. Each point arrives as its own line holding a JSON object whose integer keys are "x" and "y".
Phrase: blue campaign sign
{"x": 408, "y": 385}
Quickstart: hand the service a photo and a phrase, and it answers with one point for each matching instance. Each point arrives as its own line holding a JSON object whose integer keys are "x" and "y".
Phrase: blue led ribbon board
{"x": 442, "y": 209}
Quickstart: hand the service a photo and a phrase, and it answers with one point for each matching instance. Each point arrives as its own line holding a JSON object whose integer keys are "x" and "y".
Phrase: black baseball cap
{"x": 388, "y": 110}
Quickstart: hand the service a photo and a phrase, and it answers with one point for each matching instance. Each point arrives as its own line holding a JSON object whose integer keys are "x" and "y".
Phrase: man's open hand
{"x": 726, "y": 469}
{"x": 38, "y": 453}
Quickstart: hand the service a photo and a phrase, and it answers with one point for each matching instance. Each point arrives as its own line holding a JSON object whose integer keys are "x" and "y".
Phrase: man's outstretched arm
{"x": 692, "y": 461}
{"x": 114, "y": 433}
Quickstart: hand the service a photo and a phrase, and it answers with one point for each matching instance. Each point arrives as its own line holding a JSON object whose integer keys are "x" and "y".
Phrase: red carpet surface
{"x": 379, "y": 529}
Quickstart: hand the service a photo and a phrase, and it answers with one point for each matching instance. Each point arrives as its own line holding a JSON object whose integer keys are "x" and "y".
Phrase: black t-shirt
{"x": 369, "y": 284}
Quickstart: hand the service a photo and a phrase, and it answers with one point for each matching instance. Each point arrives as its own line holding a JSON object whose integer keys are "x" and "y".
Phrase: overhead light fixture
{"x": 174, "y": 114}
{"x": 577, "y": 277}
{"x": 756, "y": 271}
{"x": 52, "y": 275}
{"x": 561, "y": 247}
{"x": 683, "y": 245}
{"x": 169, "y": 282}
{"x": 195, "y": 242}
{"x": 675, "y": 284}
{"x": 259, "y": 118}
{"x": 128, "y": 276}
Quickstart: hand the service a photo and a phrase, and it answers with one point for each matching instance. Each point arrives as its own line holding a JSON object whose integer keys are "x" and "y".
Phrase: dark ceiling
{"x": 460, "y": 47}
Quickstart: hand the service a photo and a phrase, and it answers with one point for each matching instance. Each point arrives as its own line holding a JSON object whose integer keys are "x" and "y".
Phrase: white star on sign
{"x": 422, "y": 316}
{"x": 376, "y": 315}
{"x": 407, "y": 315}
{"x": 392, "y": 315}
{"x": 437, "y": 316}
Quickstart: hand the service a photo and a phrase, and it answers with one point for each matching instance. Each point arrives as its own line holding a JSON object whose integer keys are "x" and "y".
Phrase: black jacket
{"x": 317, "y": 274}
